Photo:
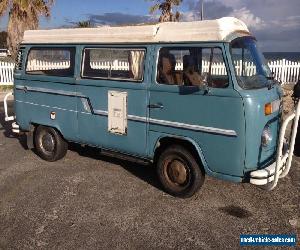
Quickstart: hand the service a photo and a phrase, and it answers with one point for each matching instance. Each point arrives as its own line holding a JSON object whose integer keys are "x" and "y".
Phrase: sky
{"x": 275, "y": 23}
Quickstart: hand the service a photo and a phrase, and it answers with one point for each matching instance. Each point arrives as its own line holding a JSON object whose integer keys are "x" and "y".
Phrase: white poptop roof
{"x": 223, "y": 29}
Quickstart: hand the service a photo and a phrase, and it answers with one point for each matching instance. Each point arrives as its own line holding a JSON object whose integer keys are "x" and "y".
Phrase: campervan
{"x": 190, "y": 98}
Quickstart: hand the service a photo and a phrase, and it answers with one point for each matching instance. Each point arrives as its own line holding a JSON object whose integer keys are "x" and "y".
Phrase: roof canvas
{"x": 223, "y": 29}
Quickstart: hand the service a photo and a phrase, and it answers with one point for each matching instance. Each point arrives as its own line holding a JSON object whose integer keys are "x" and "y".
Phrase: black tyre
{"x": 49, "y": 144}
{"x": 179, "y": 172}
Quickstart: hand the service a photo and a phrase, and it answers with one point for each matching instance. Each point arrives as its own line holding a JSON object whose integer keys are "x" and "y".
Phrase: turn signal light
{"x": 272, "y": 107}
{"x": 268, "y": 108}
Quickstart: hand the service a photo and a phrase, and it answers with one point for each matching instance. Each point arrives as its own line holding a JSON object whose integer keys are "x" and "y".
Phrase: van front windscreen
{"x": 251, "y": 69}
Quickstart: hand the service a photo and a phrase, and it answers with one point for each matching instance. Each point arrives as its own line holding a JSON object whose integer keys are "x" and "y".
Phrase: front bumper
{"x": 266, "y": 175}
{"x": 270, "y": 175}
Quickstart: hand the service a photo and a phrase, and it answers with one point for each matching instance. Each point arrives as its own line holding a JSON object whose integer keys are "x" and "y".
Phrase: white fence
{"x": 44, "y": 65}
{"x": 6, "y": 73}
{"x": 284, "y": 70}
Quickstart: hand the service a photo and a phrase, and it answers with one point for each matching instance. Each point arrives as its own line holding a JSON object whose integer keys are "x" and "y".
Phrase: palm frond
{"x": 4, "y": 6}
{"x": 154, "y": 8}
{"x": 176, "y": 2}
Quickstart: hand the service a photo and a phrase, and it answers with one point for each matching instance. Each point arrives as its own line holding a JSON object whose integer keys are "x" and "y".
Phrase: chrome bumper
{"x": 15, "y": 126}
{"x": 270, "y": 175}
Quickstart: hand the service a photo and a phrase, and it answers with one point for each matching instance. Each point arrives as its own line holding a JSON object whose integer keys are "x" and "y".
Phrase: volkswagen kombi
{"x": 193, "y": 98}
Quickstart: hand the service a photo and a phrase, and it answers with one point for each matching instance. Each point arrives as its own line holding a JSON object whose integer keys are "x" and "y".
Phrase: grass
{"x": 4, "y": 88}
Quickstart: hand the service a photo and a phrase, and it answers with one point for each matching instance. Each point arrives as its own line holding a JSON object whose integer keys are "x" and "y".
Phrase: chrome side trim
{"x": 194, "y": 127}
{"x": 152, "y": 121}
{"x": 137, "y": 118}
{"x": 49, "y": 91}
{"x": 86, "y": 105}
{"x": 100, "y": 112}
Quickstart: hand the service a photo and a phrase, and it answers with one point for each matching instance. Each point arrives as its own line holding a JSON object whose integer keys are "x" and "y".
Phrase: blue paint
{"x": 81, "y": 107}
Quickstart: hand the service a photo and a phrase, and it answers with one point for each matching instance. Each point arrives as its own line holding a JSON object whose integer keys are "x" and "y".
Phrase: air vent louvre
{"x": 19, "y": 62}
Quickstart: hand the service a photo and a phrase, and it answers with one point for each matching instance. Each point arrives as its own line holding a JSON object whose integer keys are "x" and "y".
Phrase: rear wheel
{"x": 49, "y": 144}
{"x": 179, "y": 172}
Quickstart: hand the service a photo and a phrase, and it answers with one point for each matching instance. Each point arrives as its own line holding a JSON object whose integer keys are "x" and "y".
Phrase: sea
{"x": 291, "y": 56}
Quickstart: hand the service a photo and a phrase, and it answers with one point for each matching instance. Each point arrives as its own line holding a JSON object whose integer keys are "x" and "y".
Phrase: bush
{"x": 4, "y": 88}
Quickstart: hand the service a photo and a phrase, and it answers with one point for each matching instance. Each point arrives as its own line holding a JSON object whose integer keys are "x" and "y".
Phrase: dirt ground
{"x": 89, "y": 201}
{"x": 288, "y": 103}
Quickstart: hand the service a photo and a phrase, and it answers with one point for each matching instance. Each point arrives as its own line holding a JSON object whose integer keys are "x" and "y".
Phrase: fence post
{"x": 283, "y": 72}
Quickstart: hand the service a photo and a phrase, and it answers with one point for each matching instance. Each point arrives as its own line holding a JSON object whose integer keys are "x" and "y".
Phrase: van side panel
{"x": 223, "y": 154}
{"x": 93, "y": 122}
{"x": 214, "y": 119}
{"x": 37, "y": 107}
{"x": 36, "y": 96}
{"x": 93, "y": 126}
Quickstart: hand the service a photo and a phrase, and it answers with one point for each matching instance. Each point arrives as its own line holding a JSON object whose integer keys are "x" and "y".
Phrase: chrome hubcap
{"x": 48, "y": 142}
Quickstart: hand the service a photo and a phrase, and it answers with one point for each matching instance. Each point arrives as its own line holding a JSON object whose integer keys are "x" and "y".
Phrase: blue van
{"x": 192, "y": 98}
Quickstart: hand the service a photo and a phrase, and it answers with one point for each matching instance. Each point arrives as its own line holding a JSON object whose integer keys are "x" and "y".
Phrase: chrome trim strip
{"x": 152, "y": 121}
{"x": 86, "y": 105}
{"x": 137, "y": 118}
{"x": 100, "y": 112}
{"x": 49, "y": 91}
{"x": 193, "y": 127}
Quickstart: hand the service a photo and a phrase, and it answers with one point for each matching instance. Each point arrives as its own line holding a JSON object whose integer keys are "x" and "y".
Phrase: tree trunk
{"x": 15, "y": 30}
{"x": 166, "y": 17}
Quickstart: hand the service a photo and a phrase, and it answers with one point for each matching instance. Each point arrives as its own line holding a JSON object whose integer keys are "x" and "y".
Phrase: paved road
{"x": 88, "y": 201}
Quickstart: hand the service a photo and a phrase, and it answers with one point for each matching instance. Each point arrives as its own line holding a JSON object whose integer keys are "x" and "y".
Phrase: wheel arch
{"x": 34, "y": 125}
{"x": 164, "y": 141}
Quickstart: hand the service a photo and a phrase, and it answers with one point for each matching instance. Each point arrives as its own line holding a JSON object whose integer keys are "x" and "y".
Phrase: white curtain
{"x": 136, "y": 63}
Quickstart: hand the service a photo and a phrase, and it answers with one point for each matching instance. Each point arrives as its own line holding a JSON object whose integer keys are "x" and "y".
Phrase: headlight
{"x": 266, "y": 136}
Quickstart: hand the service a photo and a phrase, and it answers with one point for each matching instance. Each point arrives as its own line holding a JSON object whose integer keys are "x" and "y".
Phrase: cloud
{"x": 113, "y": 18}
{"x": 212, "y": 10}
{"x": 116, "y": 18}
{"x": 249, "y": 18}
{"x": 276, "y": 24}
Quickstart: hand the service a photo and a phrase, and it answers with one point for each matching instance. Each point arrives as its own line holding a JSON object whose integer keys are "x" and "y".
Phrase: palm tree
{"x": 3, "y": 38}
{"x": 84, "y": 24}
{"x": 165, "y": 6}
{"x": 23, "y": 15}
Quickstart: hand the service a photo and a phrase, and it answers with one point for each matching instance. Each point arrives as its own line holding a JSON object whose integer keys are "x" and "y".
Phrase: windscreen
{"x": 251, "y": 69}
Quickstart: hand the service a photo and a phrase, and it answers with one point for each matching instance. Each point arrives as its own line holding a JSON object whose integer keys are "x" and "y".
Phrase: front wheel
{"x": 49, "y": 144}
{"x": 179, "y": 172}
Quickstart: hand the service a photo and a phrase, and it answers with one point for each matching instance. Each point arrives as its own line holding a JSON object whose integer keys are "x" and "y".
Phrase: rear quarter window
{"x": 51, "y": 62}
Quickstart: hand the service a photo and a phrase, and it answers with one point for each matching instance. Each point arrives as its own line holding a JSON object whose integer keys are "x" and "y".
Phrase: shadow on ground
{"x": 146, "y": 173}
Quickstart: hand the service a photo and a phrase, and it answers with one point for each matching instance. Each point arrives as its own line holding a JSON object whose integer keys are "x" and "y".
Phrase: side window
{"x": 123, "y": 64}
{"x": 51, "y": 62}
{"x": 170, "y": 66}
{"x": 214, "y": 66}
{"x": 192, "y": 66}
{"x": 96, "y": 63}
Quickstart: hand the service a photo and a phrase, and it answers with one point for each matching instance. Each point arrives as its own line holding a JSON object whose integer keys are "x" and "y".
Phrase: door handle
{"x": 156, "y": 106}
